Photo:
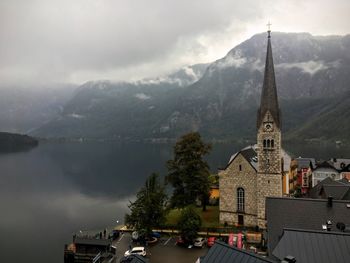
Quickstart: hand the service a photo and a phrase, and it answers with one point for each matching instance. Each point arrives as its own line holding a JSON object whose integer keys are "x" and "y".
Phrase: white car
{"x": 199, "y": 242}
{"x": 136, "y": 251}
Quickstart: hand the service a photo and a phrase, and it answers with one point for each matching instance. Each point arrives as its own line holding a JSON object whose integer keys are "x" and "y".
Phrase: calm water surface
{"x": 50, "y": 192}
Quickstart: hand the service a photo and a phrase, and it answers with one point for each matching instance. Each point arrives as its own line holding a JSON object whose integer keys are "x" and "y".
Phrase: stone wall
{"x": 239, "y": 173}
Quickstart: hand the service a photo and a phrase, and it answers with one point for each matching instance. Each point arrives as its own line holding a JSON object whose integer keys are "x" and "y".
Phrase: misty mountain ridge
{"x": 220, "y": 99}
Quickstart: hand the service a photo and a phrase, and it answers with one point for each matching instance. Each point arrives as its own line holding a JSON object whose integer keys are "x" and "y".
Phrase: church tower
{"x": 269, "y": 174}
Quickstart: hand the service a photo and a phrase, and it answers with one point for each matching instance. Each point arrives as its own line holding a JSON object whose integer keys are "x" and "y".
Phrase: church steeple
{"x": 269, "y": 100}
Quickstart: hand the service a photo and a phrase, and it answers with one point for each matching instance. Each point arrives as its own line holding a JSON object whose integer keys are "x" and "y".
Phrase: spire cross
{"x": 269, "y": 29}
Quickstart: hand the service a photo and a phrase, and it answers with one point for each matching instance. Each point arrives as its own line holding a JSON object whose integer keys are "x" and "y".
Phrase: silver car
{"x": 199, "y": 242}
{"x": 136, "y": 251}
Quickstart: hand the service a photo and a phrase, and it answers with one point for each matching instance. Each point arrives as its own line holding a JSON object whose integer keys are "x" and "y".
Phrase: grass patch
{"x": 210, "y": 218}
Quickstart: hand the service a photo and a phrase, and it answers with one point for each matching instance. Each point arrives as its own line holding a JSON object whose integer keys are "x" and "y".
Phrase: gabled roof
{"x": 302, "y": 213}
{"x": 269, "y": 100}
{"x": 305, "y": 163}
{"x": 223, "y": 253}
{"x": 308, "y": 246}
{"x": 339, "y": 190}
{"x": 249, "y": 154}
{"x": 325, "y": 165}
{"x": 340, "y": 163}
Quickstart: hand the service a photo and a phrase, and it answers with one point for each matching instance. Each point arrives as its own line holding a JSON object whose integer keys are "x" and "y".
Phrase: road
{"x": 164, "y": 250}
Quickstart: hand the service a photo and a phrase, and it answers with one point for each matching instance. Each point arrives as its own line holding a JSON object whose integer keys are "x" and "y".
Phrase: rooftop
{"x": 222, "y": 253}
{"x": 302, "y": 213}
{"x": 309, "y": 246}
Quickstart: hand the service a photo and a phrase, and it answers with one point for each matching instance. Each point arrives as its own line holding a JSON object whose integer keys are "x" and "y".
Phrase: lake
{"x": 49, "y": 192}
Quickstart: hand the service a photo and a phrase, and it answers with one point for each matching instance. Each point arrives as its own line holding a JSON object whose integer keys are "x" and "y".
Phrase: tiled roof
{"x": 249, "y": 154}
{"x": 302, "y": 213}
{"x": 339, "y": 190}
{"x": 223, "y": 253}
{"x": 134, "y": 259}
{"x": 308, "y": 246}
{"x": 305, "y": 163}
{"x": 340, "y": 163}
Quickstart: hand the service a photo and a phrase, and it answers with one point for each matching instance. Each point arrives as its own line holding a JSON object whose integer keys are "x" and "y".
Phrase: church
{"x": 256, "y": 171}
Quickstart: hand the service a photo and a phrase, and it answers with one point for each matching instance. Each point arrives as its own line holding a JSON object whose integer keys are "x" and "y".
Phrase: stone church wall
{"x": 238, "y": 174}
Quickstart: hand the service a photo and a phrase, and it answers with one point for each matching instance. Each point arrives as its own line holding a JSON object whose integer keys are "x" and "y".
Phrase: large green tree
{"x": 189, "y": 224}
{"x": 188, "y": 173}
{"x": 148, "y": 210}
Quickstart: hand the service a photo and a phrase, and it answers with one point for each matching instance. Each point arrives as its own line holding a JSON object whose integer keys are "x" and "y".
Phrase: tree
{"x": 188, "y": 173}
{"x": 189, "y": 224}
{"x": 148, "y": 211}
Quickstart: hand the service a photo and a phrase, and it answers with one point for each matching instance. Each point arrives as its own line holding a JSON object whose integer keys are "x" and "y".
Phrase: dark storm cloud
{"x": 84, "y": 39}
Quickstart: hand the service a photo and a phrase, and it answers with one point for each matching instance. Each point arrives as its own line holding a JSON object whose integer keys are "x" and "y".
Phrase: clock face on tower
{"x": 268, "y": 127}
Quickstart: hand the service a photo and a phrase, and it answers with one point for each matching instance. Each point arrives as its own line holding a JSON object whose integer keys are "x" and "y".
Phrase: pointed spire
{"x": 269, "y": 100}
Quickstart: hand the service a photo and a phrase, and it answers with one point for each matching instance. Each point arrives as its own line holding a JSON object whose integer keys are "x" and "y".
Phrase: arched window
{"x": 272, "y": 144}
{"x": 264, "y": 143}
{"x": 268, "y": 144}
{"x": 240, "y": 199}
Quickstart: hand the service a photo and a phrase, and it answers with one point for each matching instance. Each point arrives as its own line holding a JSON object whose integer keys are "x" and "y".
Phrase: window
{"x": 240, "y": 167}
{"x": 240, "y": 199}
{"x": 267, "y": 143}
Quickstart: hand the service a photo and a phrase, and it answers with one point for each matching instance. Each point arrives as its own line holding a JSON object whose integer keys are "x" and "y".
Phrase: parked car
{"x": 136, "y": 251}
{"x": 211, "y": 241}
{"x": 114, "y": 234}
{"x": 156, "y": 234}
{"x": 199, "y": 242}
{"x": 135, "y": 236}
{"x": 183, "y": 242}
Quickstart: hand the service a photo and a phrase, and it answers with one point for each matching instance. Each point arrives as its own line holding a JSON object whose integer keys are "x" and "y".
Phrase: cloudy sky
{"x": 45, "y": 41}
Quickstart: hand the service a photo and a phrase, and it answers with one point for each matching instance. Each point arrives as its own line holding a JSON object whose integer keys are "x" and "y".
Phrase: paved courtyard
{"x": 165, "y": 250}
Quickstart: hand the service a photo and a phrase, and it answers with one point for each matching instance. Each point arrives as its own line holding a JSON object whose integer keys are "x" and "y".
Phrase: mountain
{"x": 10, "y": 142}
{"x": 23, "y": 108}
{"x": 103, "y": 109}
{"x": 221, "y": 102}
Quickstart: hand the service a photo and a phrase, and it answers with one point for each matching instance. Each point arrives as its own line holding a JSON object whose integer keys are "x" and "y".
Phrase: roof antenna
{"x": 269, "y": 29}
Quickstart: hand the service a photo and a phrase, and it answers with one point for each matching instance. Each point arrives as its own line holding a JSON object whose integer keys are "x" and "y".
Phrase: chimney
{"x": 329, "y": 225}
{"x": 330, "y": 201}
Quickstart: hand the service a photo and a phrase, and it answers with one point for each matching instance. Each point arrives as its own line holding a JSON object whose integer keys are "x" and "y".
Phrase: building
{"x": 304, "y": 214}
{"x": 300, "y": 171}
{"x": 342, "y": 165}
{"x": 255, "y": 173}
{"x": 87, "y": 249}
{"x": 322, "y": 171}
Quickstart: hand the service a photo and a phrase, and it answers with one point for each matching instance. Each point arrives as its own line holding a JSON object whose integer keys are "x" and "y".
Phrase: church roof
{"x": 249, "y": 153}
{"x": 269, "y": 100}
